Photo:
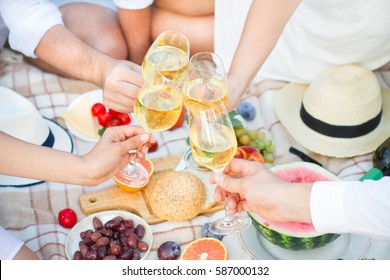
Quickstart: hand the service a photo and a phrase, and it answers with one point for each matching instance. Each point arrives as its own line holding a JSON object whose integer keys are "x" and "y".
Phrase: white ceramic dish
{"x": 347, "y": 246}
{"x": 73, "y": 238}
{"x": 94, "y": 97}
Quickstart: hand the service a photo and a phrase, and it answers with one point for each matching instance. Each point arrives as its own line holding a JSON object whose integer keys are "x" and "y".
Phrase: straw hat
{"x": 342, "y": 113}
{"x": 20, "y": 119}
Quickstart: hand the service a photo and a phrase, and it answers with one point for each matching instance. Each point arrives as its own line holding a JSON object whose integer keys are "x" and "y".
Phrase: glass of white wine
{"x": 169, "y": 54}
{"x": 207, "y": 81}
{"x": 157, "y": 108}
{"x": 213, "y": 145}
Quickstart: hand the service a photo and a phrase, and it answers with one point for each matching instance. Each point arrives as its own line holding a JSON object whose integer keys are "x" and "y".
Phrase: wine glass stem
{"x": 131, "y": 169}
{"x": 227, "y": 217}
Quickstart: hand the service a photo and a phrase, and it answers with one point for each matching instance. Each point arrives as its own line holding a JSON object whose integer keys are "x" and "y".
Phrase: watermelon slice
{"x": 295, "y": 235}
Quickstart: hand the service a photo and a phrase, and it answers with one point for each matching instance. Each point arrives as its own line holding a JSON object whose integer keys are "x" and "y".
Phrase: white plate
{"x": 347, "y": 246}
{"x": 73, "y": 238}
{"x": 94, "y": 97}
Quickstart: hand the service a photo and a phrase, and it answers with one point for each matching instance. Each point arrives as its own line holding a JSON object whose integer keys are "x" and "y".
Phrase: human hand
{"x": 111, "y": 153}
{"x": 254, "y": 188}
{"x": 121, "y": 83}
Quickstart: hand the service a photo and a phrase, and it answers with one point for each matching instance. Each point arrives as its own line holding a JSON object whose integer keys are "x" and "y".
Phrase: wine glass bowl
{"x": 212, "y": 139}
{"x": 207, "y": 81}
{"x": 169, "y": 54}
{"x": 159, "y": 103}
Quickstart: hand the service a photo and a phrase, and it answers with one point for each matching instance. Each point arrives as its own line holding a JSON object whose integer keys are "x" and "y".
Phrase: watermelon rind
{"x": 290, "y": 242}
{"x": 295, "y": 241}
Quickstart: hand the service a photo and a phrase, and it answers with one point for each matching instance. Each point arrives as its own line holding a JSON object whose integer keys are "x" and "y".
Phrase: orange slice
{"x": 205, "y": 249}
{"x": 148, "y": 164}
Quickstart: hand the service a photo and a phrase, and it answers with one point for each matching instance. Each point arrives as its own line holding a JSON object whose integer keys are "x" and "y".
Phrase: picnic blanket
{"x": 31, "y": 213}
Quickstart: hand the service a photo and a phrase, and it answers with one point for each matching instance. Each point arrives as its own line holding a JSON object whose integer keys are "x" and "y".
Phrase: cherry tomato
{"x": 180, "y": 121}
{"x": 113, "y": 122}
{"x": 123, "y": 118}
{"x": 104, "y": 119}
{"x": 67, "y": 218}
{"x": 153, "y": 147}
{"x": 114, "y": 113}
{"x": 98, "y": 109}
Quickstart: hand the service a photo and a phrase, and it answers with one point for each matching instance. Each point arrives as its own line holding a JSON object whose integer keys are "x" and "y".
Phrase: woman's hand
{"x": 111, "y": 153}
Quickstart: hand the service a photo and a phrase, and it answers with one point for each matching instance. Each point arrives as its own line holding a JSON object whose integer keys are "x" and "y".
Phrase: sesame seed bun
{"x": 177, "y": 195}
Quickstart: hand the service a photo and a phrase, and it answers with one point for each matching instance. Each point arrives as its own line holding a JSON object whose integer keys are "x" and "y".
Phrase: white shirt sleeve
{"x": 133, "y": 4}
{"x": 28, "y": 21}
{"x": 352, "y": 207}
{"x": 9, "y": 245}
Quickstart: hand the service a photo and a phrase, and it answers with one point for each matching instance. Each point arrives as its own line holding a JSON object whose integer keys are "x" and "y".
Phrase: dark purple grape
{"x": 136, "y": 256}
{"x": 97, "y": 223}
{"x": 142, "y": 246}
{"x": 168, "y": 251}
{"x": 132, "y": 240}
{"x": 91, "y": 255}
{"x": 102, "y": 251}
{"x": 77, "y": 255}
{"x": 139, "y": 230}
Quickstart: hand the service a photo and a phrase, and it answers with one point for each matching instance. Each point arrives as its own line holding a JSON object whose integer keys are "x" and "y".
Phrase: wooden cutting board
{"x": 136, "y": 202}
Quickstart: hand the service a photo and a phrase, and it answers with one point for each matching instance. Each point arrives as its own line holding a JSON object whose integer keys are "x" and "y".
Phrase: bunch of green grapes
{"x": 257, "y": 139}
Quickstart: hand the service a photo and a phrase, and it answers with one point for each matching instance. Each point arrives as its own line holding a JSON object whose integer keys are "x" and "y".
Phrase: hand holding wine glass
{"x": 157, "y": 108}
{"x": 213, "y": 145}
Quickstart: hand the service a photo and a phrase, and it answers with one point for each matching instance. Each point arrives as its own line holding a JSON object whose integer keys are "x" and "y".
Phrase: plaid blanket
{"x": 31, "y": 213}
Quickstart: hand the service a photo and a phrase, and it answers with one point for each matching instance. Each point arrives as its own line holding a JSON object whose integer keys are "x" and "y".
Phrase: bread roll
{"x": 177, "y": 195}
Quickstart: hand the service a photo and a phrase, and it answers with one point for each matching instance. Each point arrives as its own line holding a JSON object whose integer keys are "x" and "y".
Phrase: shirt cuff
{"x": 327, "y": 206}
{"x": 29, "y": 24}
{"x": 133, "y": 4}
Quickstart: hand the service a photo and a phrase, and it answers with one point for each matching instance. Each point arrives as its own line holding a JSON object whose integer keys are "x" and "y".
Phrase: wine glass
{"x": 213, "y": 144}
{"x": 169, "y": 54}
{"x": 157, "y": 108}
{"x": 207, "y": 81}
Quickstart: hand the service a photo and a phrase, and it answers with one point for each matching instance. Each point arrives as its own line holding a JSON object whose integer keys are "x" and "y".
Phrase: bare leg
{"x": 198, "y": 29}
{"x": 95, "y": 25}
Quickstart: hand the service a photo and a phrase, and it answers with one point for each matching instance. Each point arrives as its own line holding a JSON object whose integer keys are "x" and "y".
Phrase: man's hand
{"x": 121, "y": 83}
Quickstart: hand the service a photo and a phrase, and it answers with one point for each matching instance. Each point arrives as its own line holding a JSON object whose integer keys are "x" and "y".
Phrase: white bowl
{"x": 73, "y": 238}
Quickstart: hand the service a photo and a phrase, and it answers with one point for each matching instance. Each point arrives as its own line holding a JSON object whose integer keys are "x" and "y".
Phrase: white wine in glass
{"x": 207, "y": 81}
{"x": 158, "y": 107}
{"x": 169, "y": 54}
{"x": 213, "y": 145}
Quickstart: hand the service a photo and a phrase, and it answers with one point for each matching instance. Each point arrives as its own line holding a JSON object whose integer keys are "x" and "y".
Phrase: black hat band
{"x": 339, "y": 131}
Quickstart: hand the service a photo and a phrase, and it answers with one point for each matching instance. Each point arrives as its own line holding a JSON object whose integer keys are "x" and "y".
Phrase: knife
{"x": 303, "y": 156}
